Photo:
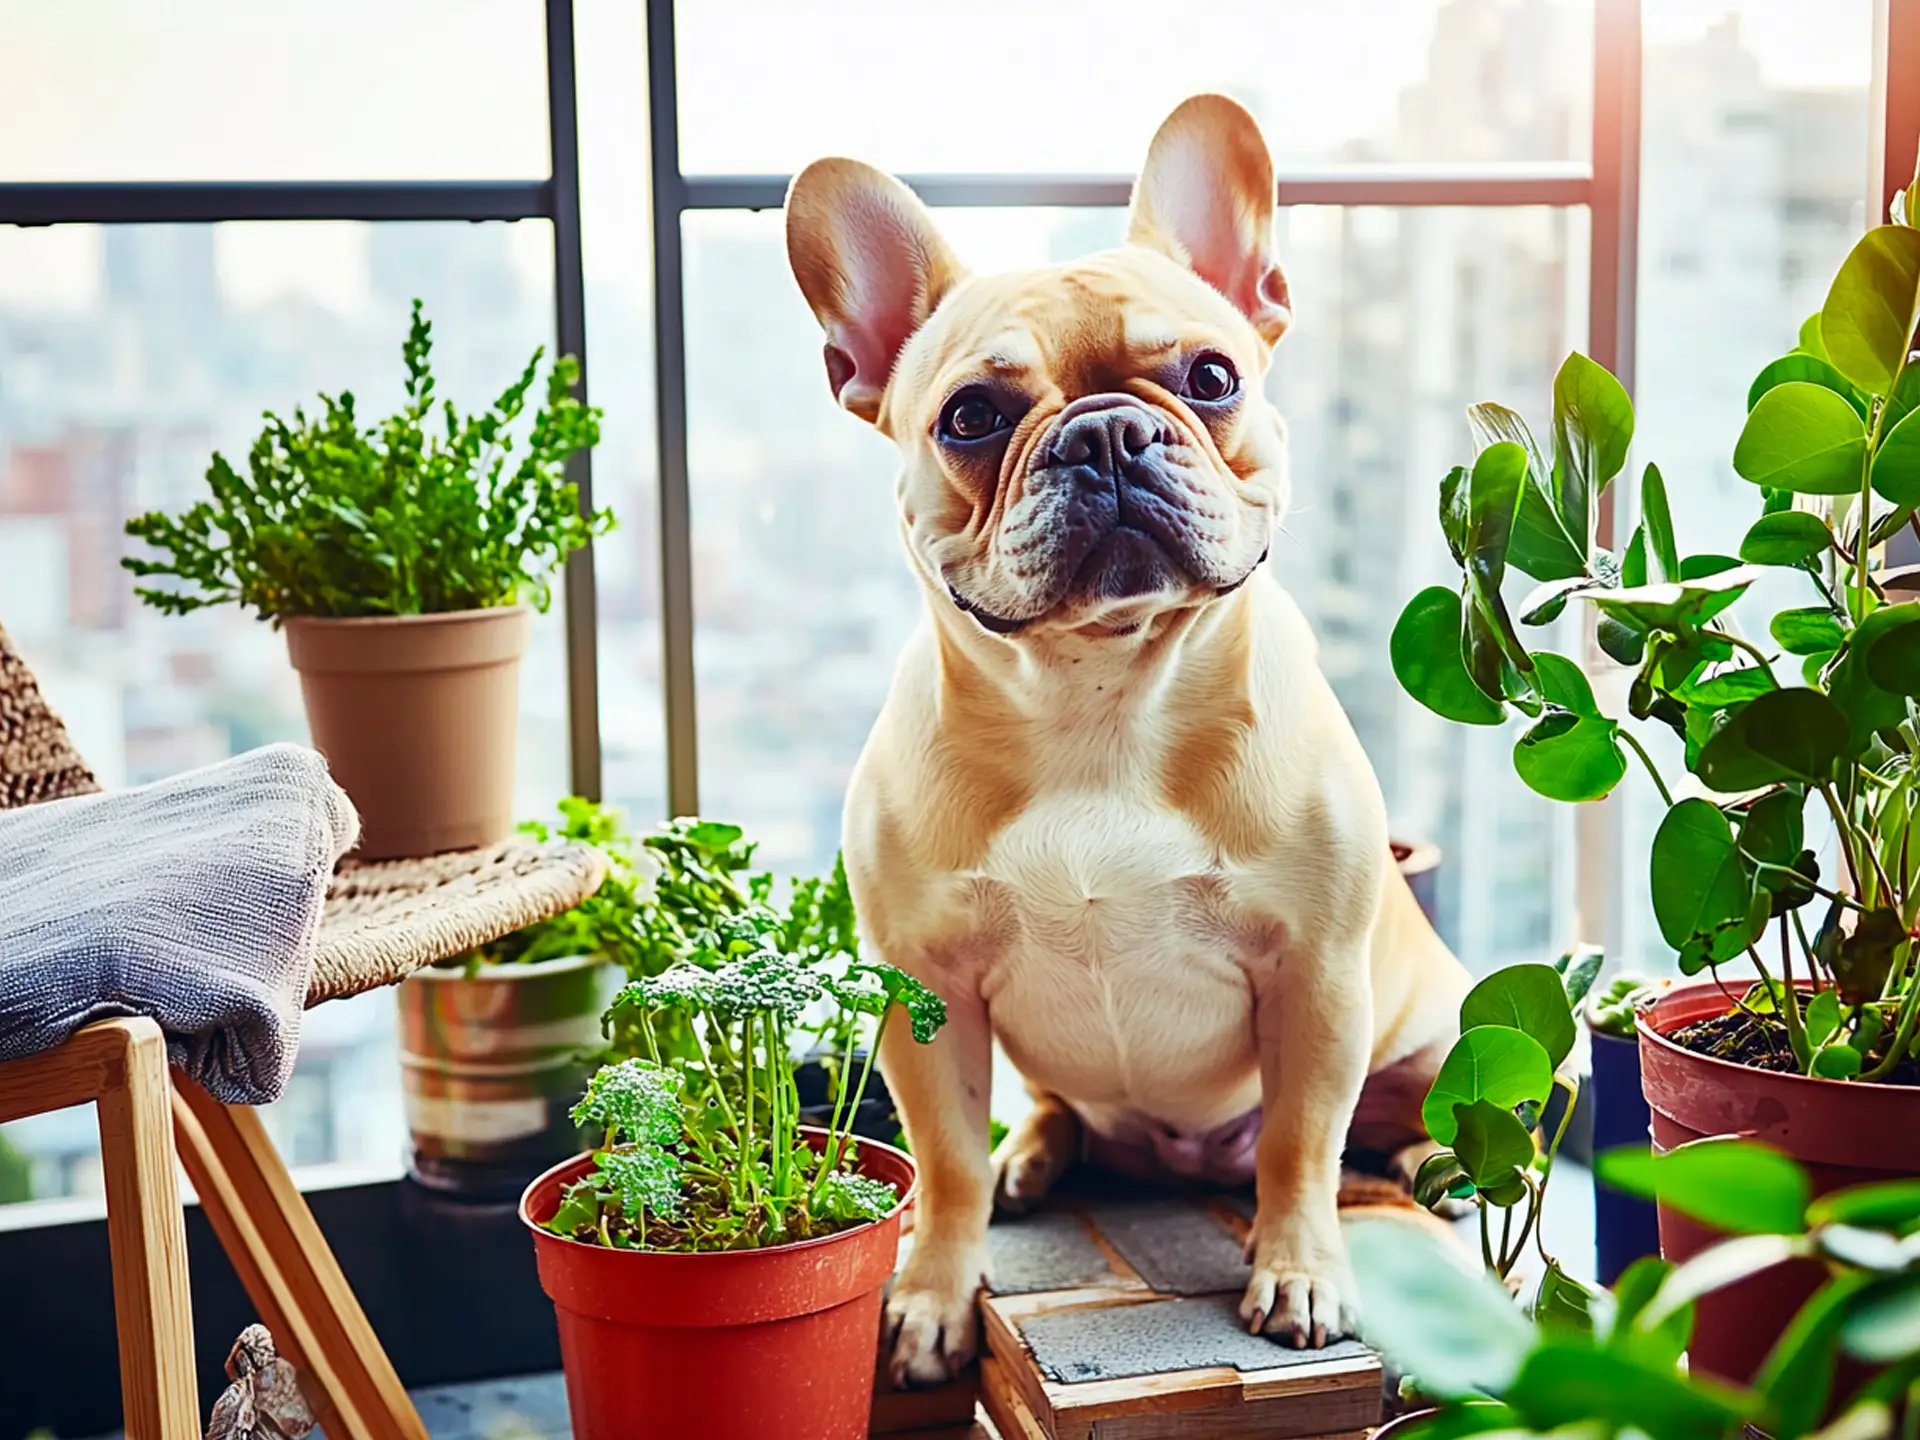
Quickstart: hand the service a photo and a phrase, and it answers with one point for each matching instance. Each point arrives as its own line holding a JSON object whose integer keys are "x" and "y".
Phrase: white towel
{"x": 195, "y": 900}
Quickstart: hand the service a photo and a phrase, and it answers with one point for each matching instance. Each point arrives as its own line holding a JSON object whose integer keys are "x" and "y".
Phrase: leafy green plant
{"x": 1615, "y": 1009}
{"x": 1487, "y": 1099}
{"x": 607, "y": 921}
{"x": 1833, "y": 449}
{"x": 1613, "y": 1365}
{"x": 336, "y": 519}
{"x": 704, "y": 1151}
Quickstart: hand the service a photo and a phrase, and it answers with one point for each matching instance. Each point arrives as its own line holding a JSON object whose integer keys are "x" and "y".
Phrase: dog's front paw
{"x": 931, "y": 1328}
{"x": 1302, "y": 1293}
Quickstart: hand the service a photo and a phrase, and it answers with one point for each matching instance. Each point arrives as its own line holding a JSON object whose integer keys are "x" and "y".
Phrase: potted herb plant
{"x": 716, "y": 1266}
{"x": 1844, "y": 1366}
{"x": 1815, "y": 1055}
{"x": 1626, "y": 1227}
{"x": 496, "y": 1044}
{"x": 402, "y": 559}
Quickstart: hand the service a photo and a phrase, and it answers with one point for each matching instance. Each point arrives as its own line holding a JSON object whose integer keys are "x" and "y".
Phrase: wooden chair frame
{"x": 149, "y": 1119}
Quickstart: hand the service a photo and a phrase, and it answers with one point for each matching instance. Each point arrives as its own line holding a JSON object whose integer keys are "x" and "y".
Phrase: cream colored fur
{"x": 1135, "y": 839}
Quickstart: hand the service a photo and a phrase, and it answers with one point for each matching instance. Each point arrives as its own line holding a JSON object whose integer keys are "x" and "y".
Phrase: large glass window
{"x": 127, "y": 357}
{"x": 1754, "y": 177}
{"x": 1012, "y": 86}
{"x": 293, "y": 90}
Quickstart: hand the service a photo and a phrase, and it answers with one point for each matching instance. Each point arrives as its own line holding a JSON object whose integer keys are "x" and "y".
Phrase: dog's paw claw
{"x": 1298, "y": 1309}
{"x": 931, "y": 1330}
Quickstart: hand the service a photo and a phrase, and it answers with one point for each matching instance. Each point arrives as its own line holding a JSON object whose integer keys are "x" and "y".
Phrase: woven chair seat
{"x": 384, "y": 919}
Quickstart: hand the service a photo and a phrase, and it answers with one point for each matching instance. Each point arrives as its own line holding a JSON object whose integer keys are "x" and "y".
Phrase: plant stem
{"x": 1902, "y": 1035}
{"x": 1789, "y": 1006}
{"x": 827, "y": 1157}
{"x": 1538, "y": 1197}
{"x": 1506, "y": 1234}
{"x": 1845, "y": 826}
{"x": 1765, "y": 664}
{"x": 1572, "y": 1087}
{"x": 1647, "y": 760}
{"x": 1486, "y": 1239}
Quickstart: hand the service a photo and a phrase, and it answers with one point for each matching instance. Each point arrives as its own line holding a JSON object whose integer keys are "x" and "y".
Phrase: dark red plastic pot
{"x": 739, "y": 1345}
{"x": 1843, "y": 1132}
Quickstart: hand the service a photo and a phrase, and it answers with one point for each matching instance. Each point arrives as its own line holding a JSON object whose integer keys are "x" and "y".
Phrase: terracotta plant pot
{"x": 735, "y": 1345}
{"x": 1842, "y": 1131}
{"x": 418, "y": 716}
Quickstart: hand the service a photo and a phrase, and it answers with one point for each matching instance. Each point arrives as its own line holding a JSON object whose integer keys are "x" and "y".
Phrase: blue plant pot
{"x": 1625, "y": 1228}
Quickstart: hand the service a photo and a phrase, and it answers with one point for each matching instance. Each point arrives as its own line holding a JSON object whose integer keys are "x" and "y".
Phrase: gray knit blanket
{"x": 195, "y": 900}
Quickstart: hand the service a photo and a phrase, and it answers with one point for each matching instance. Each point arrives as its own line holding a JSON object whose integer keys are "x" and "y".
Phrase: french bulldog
{"x": 1111, "y": 810}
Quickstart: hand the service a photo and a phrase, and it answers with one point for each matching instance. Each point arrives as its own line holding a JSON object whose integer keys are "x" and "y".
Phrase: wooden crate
{"x": 1301, "y": 1396}
{"x": 903, "y": 1413}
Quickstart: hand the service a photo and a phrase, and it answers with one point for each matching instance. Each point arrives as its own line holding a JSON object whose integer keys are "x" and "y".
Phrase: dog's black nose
{"x": 1106, "y": 438}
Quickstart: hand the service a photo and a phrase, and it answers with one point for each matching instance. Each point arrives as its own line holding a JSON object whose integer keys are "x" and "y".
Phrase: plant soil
{"x": 1760, "y": 1043}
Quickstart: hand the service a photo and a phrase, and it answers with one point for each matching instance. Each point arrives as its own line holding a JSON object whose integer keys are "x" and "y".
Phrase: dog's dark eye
{"x": 971, "y": 415}
{"x": 1212, "y": 379}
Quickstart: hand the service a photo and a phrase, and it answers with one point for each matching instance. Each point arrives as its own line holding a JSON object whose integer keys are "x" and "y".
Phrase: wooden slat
{"x": 288, "y": 1269}
{"x": 898, "y": 1411}
{"x": 1007, "y": 1407}
{"x": 75, "y": 1073}
{"x": 146, "y": 1231}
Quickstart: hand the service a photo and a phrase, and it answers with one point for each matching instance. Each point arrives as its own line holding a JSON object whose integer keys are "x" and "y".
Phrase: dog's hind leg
{"x": 1037, "y": 1151}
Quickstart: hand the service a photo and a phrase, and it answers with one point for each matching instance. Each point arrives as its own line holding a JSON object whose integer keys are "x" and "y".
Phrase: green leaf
{"x": 1656, "y": 522}
{"x": 1733, "y": 1185}
{"x": 1569, "y": 1384}
{"x": 1887, "y": 1204}
{"x": 1699, "y": 885}
{"x": 1813, "y": 370}
{"x": 1837, "y": 1061}
{"x": 1592, "y": 430}
{"x": 1823, "y": 1017}
{"x": 1868, "y": 318}
{"x": 1493, "y": 495}
{"x": 1440, "y": 1176}
{"x": 1623, "y": 639}
{"x": 1699, "y": 567}
{"x": 1810, "y": 631}
{"x": 1728, "y": 688}
{"x": 1810, "y": 342}
{"x": 1851, "y": 686}
{"x": 1489, "y": 1063}
{"x": 1896, "y": 464}
{"x": 1453, "y": 512}
{"x": 1790, "y": 537}
{"x": 1494, "y": 1149}
{"x": 1425, "y": 650}
{"x": 1796, "y": 734}
{"x": 1893, "y": 658}
{"x": 1565, "y": 1305}
{"x": 1661, "y": 1344}
{"x": 1542, "y": 546}
{"x": 1774, "y": 831}
{"x": 1578, "y": 969}
{"x": 1803, "y": 438}
{"x": 1674, "y": 607}
{"x": 1570, "y": 757}
{"x": 1450, "y": 1324}
{"x": 1884, "y": 1327}
{"x": 1528, "y": 998}
{"x": 1545, "y": 602}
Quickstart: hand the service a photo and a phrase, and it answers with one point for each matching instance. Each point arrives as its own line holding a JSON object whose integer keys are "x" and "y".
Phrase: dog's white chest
{"x": 1119, "y": 976}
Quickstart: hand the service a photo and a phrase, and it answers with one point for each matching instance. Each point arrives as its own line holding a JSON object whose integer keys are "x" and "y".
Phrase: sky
{"x": 441, "y": 89}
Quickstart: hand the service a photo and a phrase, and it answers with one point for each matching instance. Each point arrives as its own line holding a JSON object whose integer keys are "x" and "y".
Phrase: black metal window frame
{"x": 454, "y": 1296}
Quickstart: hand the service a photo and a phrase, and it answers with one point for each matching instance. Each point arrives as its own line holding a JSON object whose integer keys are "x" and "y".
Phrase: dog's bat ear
{"x": 1205, "y": 197}
{"x": 871, "y": 265}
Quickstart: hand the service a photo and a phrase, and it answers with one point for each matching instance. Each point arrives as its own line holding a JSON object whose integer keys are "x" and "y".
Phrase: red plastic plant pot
{"x": 733, "y": 1345}
{"x": 1844, "y": 1133}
